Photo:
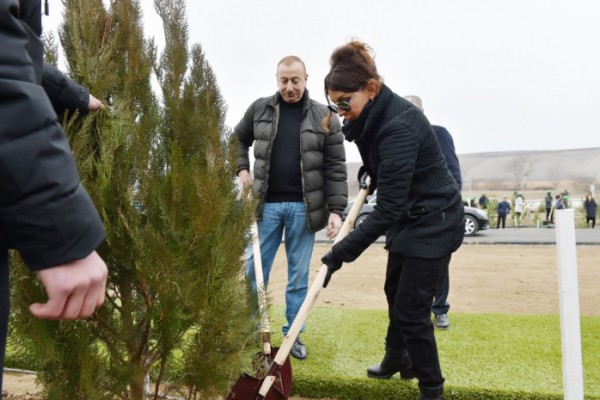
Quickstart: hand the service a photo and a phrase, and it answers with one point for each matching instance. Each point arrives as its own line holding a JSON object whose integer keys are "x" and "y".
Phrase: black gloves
{"x": 362, "y": 180}
{"x": 333, "y": 264}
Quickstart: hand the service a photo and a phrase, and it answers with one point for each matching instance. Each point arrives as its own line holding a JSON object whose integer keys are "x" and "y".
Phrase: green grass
{"x": 483, "y": 356}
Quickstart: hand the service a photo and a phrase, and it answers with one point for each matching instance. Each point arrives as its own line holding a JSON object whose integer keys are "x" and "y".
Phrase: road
{"x": 515, "y": 236}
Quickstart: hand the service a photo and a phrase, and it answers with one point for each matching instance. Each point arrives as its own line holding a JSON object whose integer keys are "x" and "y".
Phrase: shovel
{"x": 282, "y": 383}
{"x": 269, "y": 387}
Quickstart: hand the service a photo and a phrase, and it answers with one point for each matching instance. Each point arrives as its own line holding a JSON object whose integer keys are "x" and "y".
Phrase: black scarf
{"x": 354, "y": 129}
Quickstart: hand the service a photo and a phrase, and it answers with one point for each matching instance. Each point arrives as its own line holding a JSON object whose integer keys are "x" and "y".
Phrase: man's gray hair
{"x": 289, "y": 60}
{"x": 416, "y": 100}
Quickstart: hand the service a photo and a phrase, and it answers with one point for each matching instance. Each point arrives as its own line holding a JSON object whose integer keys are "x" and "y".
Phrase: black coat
{"x": 64, "y": 93}
{"x": 44, "y": 212}
{"x": 419, "y": 207}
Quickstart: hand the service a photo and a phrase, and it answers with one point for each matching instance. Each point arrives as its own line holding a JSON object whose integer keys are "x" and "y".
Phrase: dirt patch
{"x": 510, "y": 279}
{"x": 483, "y": 279}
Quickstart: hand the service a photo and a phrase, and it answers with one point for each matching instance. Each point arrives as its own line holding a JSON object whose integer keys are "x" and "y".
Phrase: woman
{"x": 590, "y": 210}
{"x": 419, "y": 208}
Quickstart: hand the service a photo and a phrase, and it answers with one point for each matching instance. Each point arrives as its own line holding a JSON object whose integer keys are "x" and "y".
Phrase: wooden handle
{"x": 315, "y": 288}
{"x": 260, "y": 290}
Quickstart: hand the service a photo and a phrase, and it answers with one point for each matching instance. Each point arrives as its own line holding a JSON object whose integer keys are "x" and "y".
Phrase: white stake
{"x": 570, "y": 328}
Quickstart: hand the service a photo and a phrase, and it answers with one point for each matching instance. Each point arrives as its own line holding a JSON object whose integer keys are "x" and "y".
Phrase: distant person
{"x": 503, "y": 211}
{"x": 299, "y": 179}
{"x": 565, "y": 198}
{"x": 559, "y": 203}
{"x": 45, "y": 213}
{"x": 548, "y": 203}
{"x": 519, "y": 208}
{"x": 590, "y": 210}
{"x": 483, "y": 201}
{"x": 402, "y": 156}
{"x": 440, "y": 305}
{"x": 473, "y": 202}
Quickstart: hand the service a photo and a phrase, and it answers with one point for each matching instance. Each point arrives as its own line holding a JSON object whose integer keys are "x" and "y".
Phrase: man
{"x": 45, "y": 214}
{"x": 440, "y": 305}
{"x": 299, "y": 179}
{"x": 503, "y": 210}
{"x": 483, "y": 202}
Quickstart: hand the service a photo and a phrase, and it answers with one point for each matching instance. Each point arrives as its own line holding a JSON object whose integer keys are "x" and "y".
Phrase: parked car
{"x": 475, "y": 219}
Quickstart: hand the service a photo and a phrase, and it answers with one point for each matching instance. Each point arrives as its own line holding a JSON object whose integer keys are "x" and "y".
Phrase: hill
{"x": 575, "y": 169}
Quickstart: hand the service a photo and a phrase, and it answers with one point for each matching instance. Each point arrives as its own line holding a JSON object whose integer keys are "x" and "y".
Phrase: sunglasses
{"x": 343, "y": 105}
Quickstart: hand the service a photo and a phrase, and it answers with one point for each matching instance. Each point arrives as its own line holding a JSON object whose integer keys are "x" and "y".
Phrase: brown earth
{"x": 483, "y": 279}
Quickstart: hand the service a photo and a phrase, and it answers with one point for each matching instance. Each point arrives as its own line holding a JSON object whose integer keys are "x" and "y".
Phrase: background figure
{"x": 299, "y": 179}
{"x": 45, "y": 213}
{"x": 548, "y": 205}
{"x": 565, "y": 198}
{"x": 473, "y": 202}
{"x": 590, "y": 210}
{"x": 519, "y": 208}
{"x": 419, "y": 209}
{"x": 503, "y": 211}
{"x": 440, "y": 305}
{"x": 559, "y": 203}
{"x": 483, "y": 201}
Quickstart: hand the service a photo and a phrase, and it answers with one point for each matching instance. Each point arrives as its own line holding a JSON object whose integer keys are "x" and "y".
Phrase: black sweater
{"x": 285, "y": 178}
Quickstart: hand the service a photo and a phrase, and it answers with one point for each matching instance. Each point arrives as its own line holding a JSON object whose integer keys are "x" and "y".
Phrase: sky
{"x": 501, "y": 75}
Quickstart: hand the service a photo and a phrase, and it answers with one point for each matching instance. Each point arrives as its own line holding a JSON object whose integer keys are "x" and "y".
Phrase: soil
{"x": 483, "y": 279}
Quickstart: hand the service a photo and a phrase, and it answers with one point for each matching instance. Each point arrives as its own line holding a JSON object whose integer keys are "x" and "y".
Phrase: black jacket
{"x": 64, "y": 93}
{"x": 419, "y": 207}
{"x": 44, "y": 212}
{"x": 323, "y": 158}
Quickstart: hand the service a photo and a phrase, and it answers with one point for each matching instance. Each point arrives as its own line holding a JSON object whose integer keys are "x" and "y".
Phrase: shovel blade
{"x": 247, "y": 386}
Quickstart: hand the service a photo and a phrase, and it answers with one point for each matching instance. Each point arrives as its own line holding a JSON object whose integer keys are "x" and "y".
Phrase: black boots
{"x": 429, "y": 393}
{"x": 394, "y": 360}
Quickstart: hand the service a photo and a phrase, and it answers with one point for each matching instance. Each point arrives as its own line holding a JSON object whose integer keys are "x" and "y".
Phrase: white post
{"x": 569, "y": 305}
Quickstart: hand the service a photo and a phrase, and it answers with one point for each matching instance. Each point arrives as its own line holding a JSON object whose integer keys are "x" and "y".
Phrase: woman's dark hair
{"x": 352, "y": 65}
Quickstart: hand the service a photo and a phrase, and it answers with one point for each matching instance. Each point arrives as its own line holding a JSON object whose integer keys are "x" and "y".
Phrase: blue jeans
{"x": 288, "y": 218}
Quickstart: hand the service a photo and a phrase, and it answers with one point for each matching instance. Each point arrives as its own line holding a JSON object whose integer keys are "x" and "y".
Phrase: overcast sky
{"x": 499, "y": 75}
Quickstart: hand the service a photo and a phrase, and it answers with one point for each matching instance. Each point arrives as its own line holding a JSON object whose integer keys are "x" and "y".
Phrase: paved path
{"x": 516, "y": 236}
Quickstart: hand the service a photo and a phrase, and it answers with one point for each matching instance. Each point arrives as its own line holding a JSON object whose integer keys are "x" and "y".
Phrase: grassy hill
{"x": 528, "y": 171}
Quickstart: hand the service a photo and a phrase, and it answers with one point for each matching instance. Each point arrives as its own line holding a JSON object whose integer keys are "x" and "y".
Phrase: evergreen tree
{"x": 161, "y": 174}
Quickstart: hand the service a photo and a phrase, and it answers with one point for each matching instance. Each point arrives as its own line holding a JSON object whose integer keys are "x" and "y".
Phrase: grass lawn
{"x": 483, "y": 356}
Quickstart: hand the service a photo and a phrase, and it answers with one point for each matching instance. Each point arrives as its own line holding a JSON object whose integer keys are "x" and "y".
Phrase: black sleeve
{"x": 244, "y": 132}
{"x": 44, "y": 211}
{"x": 64, "y": 93}
{"x": 447, "y": 146}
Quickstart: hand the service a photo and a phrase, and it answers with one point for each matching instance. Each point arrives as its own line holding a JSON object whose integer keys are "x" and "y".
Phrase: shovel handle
{"x": 260, "y": 290}
{"x": 313, "y": 292}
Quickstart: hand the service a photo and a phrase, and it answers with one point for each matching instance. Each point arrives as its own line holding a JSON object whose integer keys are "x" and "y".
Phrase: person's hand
{"x": 75, "y": 290}
{"x": 94, "y": 104}
{"x": 333, "y": 264}
{"x": 333, "y": 225}
{"x": 362, "y": 180}
{"x": 245, "y": 178}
